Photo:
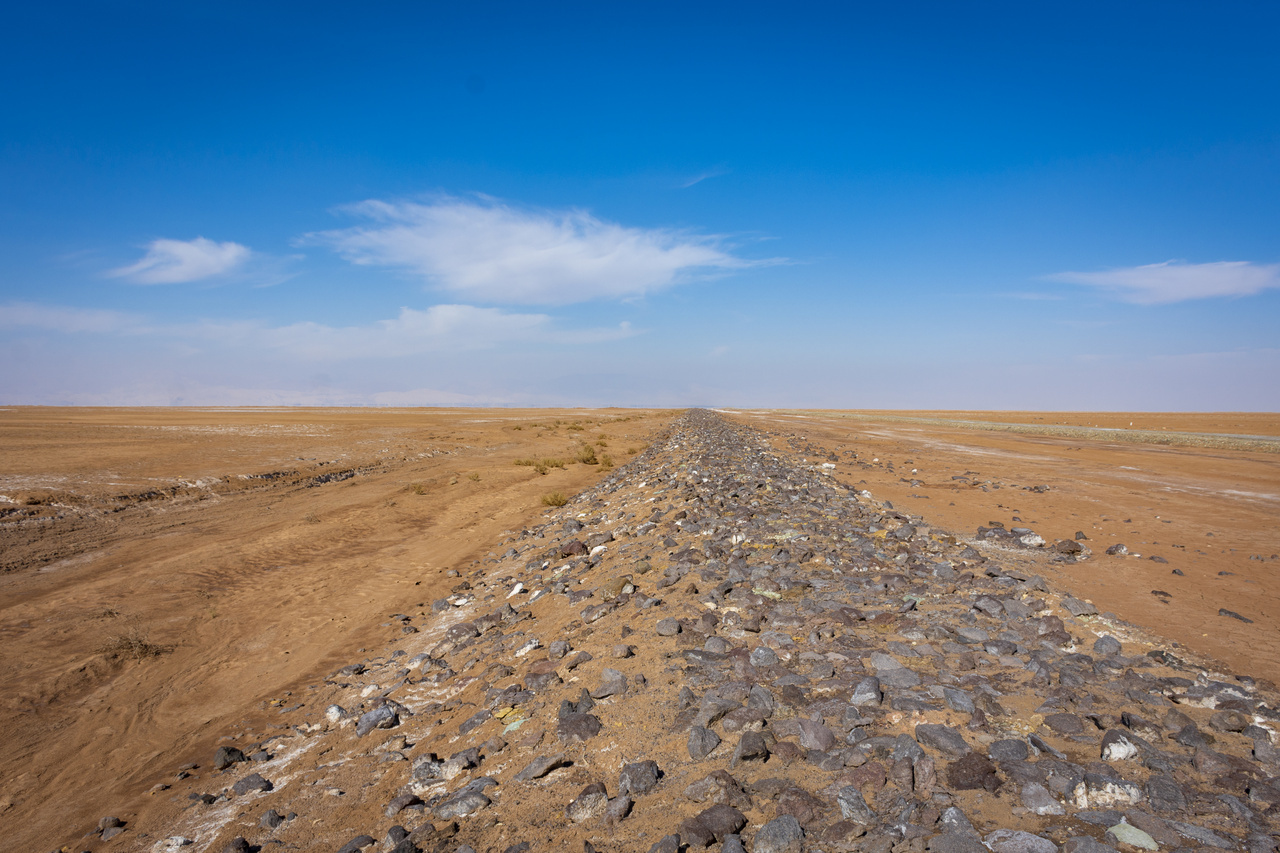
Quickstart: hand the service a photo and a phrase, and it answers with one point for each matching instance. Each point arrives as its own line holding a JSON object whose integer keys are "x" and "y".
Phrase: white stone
{"x": 174, "y": 842}
{"x": 1105, "y": 794}
{"x": 1119, "y": 750}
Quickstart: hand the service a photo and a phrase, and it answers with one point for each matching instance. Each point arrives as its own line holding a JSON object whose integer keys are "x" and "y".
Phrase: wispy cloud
{"x": 179, "y": 261}
{"x": 1032, "y": 296}
{"x": 440, "y": 328}
{"x": 702, "y": 176}
{"x": 492, "y": 252}
{"x": 1178, "y": 281}
{"x": 58, "y": 318}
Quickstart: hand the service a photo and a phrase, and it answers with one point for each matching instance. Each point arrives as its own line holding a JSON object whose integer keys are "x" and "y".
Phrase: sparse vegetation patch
{"x": 133, "y": 644}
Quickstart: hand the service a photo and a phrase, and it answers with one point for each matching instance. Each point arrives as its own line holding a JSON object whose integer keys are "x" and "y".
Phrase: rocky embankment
{"x": 719, "y": 647}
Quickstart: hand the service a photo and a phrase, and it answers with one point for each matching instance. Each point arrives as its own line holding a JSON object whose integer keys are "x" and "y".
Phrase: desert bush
{"x": 602, "y": 443}
{"x": 552, "y": 462}
{"x": 473, "y": 477}
{"x": 134, "y": 644}
{"x": 416, "y": 488}
{"x": 606, "y": 461}
{"x": 554, "y": 499}
{"x": 587, "y": 455}
{"x": 527, "y": 462}
{"x": 540, "y": 468}
{"x": 575, "y": 427}
{"x": 311, "y": 518}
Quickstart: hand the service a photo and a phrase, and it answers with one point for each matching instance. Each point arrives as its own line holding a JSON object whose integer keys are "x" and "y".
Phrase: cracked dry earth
{"x": 718, "y": 647}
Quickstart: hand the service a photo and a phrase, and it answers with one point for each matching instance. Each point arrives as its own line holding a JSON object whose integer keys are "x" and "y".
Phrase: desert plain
{"x": 176, "y": 579}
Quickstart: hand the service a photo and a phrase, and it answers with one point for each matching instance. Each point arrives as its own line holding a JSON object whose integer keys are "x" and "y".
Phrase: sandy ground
{"x": 1211, "y": 513}
{"x": 171, "y": 575}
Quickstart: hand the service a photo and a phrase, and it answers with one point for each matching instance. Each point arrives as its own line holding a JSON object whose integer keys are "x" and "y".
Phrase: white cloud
{"x": 492, "y": 252}
{"x": 440, "y": 327}
{"x": 58, "y": 318}
{"x": 703, "y": 176}
{"x": 1177, "y": 281}
{"x": 177, "y": 261}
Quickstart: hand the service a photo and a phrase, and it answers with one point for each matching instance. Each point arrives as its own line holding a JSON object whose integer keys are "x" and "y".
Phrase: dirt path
{"x": 138, "y": 629}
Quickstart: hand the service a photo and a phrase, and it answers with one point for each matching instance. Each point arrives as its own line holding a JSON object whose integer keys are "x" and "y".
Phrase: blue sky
{"x": 902, "y": 205}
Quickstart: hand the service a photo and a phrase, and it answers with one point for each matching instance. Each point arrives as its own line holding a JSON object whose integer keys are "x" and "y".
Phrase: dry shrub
{"x": 552, "y": 462}
{"x": 554, "y": 499}
{"x": 133, "y": 644}
{"x": 531, "y": 463}
{"x": 606, "y": 462}
{"x": 417, "y": 488}
{"x": 587, "y": 455}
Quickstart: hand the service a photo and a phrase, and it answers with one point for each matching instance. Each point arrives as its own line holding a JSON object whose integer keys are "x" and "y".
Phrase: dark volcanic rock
{"x": 751, "y": 747}
{"x": 973, "y": 772}
{"x": 250, "y": 784}
{"x": 701, "y": 742}
{"x": 944, "y": 739}
{"x": 780, "y": 835}
{"x": 577, "y": 728}
{"x": 639, "y": 778}
{"x": 227, "y": 756}
{"x": 712, "y": 825}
